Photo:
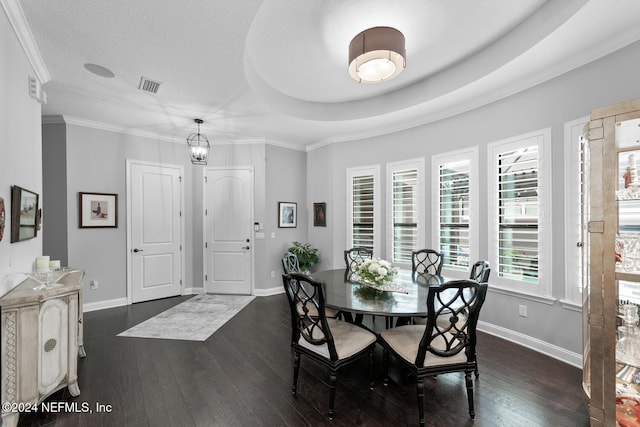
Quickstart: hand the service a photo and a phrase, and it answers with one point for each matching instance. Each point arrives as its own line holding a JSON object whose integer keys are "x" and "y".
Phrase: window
{"x": 405, "y": 210}
{"x": 576, "y": 216}
{"x": 520, "y": 227}
{"x": 454, "y": 211}
{"x": 363, "y": 207}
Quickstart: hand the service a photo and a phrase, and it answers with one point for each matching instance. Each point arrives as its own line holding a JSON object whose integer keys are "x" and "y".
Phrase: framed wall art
{"x": 287, "y": 215}
{"x": 320, "y": 214}
{"x": 24, "y": 207}
{"x": 98, "y": 210}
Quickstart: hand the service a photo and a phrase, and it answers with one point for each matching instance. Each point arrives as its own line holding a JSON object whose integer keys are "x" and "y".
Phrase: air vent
{"x": 148, "y": 85}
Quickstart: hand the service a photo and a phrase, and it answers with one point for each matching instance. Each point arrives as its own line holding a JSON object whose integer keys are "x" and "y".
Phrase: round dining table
{"x": 346, "y": 295}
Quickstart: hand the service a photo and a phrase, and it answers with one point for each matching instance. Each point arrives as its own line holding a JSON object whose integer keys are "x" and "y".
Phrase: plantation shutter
{"x": 453, "y": 233}
{"x": 405, "y": 214}
{"x": 363, "y": 211}
{"x": 518, "y": 201}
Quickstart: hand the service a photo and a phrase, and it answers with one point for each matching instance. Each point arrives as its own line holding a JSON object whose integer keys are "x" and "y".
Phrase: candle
{"x": 42, "y": 264}
{"x": 54, "y": 264}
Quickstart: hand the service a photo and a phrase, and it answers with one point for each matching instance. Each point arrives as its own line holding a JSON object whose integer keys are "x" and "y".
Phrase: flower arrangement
{"x": 376, "y": 271}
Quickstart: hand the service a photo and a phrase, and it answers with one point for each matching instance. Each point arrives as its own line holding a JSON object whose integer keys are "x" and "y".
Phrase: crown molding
{"x": 18, "y": 21}
{"x": 284, "y": 145}
{"x": 76, "y": 121}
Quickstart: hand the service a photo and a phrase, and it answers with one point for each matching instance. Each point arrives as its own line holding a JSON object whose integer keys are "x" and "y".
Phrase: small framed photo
{"x": 24, "y": 209}
{"x": 287, "y": 215}
{"x": 98, "y": 210}
{"x": 320, "y": 214}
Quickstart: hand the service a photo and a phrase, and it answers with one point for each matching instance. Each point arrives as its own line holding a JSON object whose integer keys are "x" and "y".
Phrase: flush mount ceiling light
{"x": 376, "y": 55}
{"x": 198, "y": 146}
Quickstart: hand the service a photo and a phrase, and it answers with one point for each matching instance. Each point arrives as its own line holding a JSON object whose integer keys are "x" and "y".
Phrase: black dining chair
{"x": 354, "y": 256}
{"x": 480, "y": 271}
{"x": 330, "y": 342}
{"x": 440, "y": 348}
{"x": 426, "y": 261}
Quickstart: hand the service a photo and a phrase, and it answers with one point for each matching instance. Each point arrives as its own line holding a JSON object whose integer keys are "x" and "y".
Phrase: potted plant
{"x": 307, "y": 256}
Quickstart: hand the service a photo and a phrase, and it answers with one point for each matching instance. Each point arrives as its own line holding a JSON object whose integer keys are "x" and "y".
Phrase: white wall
{"x": 608, "y": 81}
{"x": 20, "y": 150}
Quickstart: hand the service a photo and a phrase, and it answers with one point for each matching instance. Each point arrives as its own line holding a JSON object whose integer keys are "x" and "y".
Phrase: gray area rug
{"x": 194, "y": 320}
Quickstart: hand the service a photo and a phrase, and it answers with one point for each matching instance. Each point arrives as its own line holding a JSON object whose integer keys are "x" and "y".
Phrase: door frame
{"x": 251, "y": 220}
{"x": 129, "y": 164}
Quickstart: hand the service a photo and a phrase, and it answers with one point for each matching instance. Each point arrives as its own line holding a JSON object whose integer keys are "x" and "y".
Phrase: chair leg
{"x": 372, "y": 382}
{"x": 385, "y": 366}
{"x": 475, "y": 359}
{"x": 469, "y": 382}
{"x": 420, "y": 393}
{"x": 296, "y": 370}
{"x": 333, "y": 379}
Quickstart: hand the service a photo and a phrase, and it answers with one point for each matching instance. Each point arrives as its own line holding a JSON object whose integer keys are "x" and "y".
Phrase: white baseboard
{"x": 551, "y": 350}
{"x": 193, "y": 291}
{"x": 101, "y": 305}
{"x": 268, "y": 292}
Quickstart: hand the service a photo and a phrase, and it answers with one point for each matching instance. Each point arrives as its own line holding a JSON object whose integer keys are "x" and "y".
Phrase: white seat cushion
{"x": 347, "y": 337}
{"x": 405, "y": 340}
{"x": 313, "y": 311}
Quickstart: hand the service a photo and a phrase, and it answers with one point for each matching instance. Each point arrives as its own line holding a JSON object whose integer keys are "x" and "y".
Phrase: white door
{"x": 228, "y": 230}
{"x": 155, "y": 230}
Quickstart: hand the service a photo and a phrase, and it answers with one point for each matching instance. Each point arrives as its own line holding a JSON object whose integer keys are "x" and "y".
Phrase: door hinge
{"x": 180, "y": 248}
{"x": 206, "y": 245}
{"x": 206, "y": 212}
{"x": 181, "y": 281}
{"x": 206, "y": 179}
{"x": 180, "y": 178}
{"x": 181, "y": 213}
{"x": 205, "y": 278}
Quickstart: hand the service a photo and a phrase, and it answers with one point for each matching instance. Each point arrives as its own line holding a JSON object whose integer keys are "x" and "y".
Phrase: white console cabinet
{"x": 41, "y": 338}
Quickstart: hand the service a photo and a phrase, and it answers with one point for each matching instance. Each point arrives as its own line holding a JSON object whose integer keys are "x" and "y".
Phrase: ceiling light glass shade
{"x": 376, "y": 55}
{"x": 198, "y": 146}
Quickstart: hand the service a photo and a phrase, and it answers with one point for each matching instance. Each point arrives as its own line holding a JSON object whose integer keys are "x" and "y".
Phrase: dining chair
{"x": 480, "y": 271}
{"x": 426, "y": 261}
{"x": 439, "y": 348}
{"x": 354, "y": 256}
{"x": 329, "y": 342}
{"x": 290, "y": 265}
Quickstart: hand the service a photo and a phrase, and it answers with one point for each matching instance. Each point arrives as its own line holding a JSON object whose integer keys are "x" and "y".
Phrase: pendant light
{"x": 198, "y": 146}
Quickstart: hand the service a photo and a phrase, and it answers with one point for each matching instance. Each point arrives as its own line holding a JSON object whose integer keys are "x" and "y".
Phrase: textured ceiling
{"x": 277, "y": 69}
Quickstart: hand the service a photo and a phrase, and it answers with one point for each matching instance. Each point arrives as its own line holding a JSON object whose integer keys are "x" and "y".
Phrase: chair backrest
{"x": 308, "y": 318}
{"x": 354, "y": 256}
{"x": 480, "y": 271}
{"x": 458, "y": 302}
{"x": 290, "y": 263}
{"x": 426, "y": 261}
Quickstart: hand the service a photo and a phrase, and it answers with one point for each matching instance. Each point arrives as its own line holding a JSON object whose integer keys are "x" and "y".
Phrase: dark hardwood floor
{"x": 241, "y": 376}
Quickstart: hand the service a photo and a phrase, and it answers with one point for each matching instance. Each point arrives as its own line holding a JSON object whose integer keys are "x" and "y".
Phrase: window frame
{"x": 541, "y": 291}
{"x": 373, "y": 170}
{"x": 470, "y": 155}
{"x": 392, "y": 167}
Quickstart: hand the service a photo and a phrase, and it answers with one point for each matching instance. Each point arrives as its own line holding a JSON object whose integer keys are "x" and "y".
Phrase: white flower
{"x": 382, "y": 271}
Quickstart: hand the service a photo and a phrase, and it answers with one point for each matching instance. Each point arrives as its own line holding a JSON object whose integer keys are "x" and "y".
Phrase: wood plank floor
{"x": 241, "y": 376}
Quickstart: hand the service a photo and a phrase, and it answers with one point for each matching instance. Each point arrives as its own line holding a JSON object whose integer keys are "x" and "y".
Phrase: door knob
{"x": 137, "y": 250}
{"x": 246, "y": 247}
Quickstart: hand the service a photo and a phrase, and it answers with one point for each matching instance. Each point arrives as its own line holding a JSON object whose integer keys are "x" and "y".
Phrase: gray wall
{"x": 20, "y": 152}
{"x": 54, "y": 188}
{"x": 607, "y": 81}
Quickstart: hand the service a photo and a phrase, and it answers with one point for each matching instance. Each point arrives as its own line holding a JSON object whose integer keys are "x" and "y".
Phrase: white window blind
{"x": 405, "y": 214}
{"x": 363, "y": 212}
{"x": 518, "y": 213}
{"x": 363, "y": 215}
{"x": 453, "y": 214}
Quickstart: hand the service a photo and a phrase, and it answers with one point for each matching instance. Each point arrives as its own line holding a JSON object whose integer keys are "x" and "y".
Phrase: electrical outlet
{"x": 522, "y": 310}
{"x": 94, "y": 284}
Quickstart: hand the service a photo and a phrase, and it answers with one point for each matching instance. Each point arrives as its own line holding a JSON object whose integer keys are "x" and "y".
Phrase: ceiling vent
{"x": 148, "y": 85}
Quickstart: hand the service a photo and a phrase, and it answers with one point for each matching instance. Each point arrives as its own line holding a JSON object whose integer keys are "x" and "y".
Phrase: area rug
{"x": 193, "y": 320}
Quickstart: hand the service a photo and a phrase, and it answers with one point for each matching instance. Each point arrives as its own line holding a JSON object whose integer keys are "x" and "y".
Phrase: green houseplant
{"x": 307, "y": 256}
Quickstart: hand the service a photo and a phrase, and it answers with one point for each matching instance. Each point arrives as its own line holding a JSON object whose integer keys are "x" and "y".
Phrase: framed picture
{"x": 98, "y": 210}
{"x": 320, "y": 214}
{"x": 24, "y": 208}
{"x": 287, "y": 215}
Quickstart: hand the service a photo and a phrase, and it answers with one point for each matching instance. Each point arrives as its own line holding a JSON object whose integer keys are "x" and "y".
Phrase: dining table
{"x": 342, "y": 291}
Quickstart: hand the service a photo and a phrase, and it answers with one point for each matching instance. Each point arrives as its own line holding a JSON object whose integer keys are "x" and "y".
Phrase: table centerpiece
{"x": 377, "y": 273}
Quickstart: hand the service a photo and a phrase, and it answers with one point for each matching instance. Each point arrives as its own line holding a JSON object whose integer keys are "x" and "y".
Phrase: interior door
{"x": 155, "y": 224}
{"x": 228, "y": 230}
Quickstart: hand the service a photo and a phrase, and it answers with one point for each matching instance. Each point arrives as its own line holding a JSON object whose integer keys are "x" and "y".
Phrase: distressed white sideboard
{"x": 40, "y": 339}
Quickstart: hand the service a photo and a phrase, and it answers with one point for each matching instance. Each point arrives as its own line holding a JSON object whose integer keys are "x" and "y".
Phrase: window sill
{"x": 549, "y": 300}
{"x": 570, "y": 305}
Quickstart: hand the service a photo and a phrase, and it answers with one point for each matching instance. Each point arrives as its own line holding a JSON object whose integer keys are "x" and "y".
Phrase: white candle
{"x": 42, "y": 264}
{"x": 54, "y": 264}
